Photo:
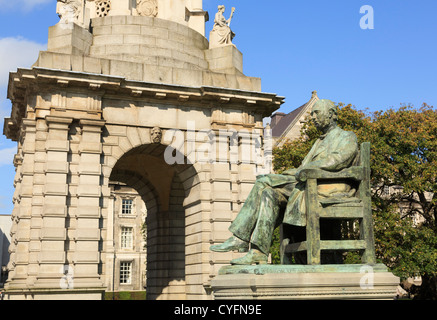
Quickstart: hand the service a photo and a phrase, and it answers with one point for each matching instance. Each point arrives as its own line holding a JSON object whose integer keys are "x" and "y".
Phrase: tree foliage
{"x": 403, "y": 179}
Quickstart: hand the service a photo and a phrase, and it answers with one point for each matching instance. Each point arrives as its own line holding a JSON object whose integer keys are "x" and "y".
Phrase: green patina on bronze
{"x": 333, "y": 182}
{"x": 272, "y": 269}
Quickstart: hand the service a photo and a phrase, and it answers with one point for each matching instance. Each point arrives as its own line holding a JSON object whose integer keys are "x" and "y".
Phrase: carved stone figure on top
{"x": 69, "y": 11}
{"x": 221, "y": 34}
{"x": 280, "y": 198}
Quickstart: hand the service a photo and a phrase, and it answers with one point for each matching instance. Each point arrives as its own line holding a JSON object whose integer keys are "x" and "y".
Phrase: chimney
{"x": 276, "y": 118}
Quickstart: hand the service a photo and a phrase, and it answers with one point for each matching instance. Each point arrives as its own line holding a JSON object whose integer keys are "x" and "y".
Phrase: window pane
{"x": 126, "y": 237}
{"x": 125, "y": 272}
{"x": 126, "y": 206}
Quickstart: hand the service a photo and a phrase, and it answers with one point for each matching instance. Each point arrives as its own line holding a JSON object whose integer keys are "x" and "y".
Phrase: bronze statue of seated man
{"x": 280, "y": 198}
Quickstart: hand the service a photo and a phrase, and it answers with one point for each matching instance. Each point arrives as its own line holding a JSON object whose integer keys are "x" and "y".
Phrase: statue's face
{"x": 321, "y": 116}
{"x": 156, "y": 135}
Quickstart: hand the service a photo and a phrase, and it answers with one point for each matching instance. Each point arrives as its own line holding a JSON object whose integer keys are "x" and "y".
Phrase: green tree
{"x": 404, "y": 162}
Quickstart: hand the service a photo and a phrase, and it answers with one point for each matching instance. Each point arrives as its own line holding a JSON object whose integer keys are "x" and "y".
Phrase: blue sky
{"x": 294, "y": 46}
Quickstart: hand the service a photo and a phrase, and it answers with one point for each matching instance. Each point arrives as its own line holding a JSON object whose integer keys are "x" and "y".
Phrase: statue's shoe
{"x": 232, "y": 244}
{"x": 252, "y": 257}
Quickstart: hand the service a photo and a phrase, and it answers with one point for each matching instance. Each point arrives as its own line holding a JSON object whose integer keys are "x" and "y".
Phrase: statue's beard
{"x": 323, "y": 125}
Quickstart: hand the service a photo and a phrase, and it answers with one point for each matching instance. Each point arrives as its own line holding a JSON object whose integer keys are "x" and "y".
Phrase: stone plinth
{"x": 227, "y": 59}
{"x": 299, "y": 282}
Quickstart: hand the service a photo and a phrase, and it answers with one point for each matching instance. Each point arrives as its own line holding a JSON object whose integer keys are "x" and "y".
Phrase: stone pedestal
{"x": 299, "y": 282}
{"x": 226, "y": 59}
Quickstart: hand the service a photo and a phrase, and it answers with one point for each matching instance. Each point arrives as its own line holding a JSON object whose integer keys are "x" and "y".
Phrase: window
{"x": 127, "y": 238}
{"x": 125, "y": 272}
{"x": 126, "y": 206}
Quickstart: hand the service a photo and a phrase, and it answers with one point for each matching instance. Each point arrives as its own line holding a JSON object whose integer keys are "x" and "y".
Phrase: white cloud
{"x": 23, "y": 5}
{"x": 7, "y": 156}
{"x": 17, "y": 52}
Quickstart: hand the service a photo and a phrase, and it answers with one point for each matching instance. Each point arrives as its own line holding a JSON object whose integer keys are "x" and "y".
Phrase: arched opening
{"x": 164, "y": 189}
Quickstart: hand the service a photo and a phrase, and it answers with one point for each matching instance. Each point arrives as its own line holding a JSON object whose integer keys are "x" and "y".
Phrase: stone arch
{"x": 167, "y": 191}
{"x": 144, "y": 188}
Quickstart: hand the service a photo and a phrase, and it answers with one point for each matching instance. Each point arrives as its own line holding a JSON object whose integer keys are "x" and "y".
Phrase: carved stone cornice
{"x": 97, "y": 87}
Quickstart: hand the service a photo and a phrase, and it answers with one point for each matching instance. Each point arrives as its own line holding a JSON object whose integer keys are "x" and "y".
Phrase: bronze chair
{"x": 355, "y": 208}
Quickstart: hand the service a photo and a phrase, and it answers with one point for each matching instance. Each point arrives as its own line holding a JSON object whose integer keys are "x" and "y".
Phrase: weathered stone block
{"x": 52, "y": 257}
{"x": 91, "y": 65}
{"x": 125, "y": 29}
{"x": 60, "y": 189}
{"x": 88, "y": 191}
{"x": 58, "y": 233}
{"x": 87, "y": 234}
{"x": 54, "y": 211}
{"x": 129, "y": 70}
{"x": 55, "y": 167}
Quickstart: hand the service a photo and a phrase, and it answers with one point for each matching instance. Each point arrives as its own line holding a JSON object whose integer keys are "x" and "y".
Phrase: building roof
{"x": 285, "y": 122}
{"x": 281, "y": 129}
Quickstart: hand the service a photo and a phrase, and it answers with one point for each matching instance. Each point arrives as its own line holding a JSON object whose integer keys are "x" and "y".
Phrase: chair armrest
{"x": 356, "y": 173}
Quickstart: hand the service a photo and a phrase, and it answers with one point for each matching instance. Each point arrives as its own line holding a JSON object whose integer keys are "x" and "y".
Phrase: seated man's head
{"x": 324, "y": 114}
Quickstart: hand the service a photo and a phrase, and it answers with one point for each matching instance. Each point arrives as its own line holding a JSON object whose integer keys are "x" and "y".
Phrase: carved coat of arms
{"x": 148, "y": 8}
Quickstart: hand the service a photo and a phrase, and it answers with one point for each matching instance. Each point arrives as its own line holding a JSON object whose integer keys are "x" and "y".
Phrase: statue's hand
{"x": 301, "y": 175}
{"x": 290, "y": 172}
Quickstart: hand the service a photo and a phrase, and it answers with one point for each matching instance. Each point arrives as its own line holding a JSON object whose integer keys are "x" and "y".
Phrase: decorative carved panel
{"x": 147, "y": 8}
{"x": 103, "y": 7}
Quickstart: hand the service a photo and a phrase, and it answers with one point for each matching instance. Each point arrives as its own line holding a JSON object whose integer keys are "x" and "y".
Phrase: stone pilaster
{"x": 36, "y": 169}
{"x": 109, "y": 244}
{"x": 86, "y": 258}
{"x": 22, "y": 213}
{"x": 52, "y": 257}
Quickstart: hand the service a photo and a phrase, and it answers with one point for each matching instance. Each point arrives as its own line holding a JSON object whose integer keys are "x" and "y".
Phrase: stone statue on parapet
{"x": 221, "y": 34}
{"x": 69, "y": 10}
{"x": 280, "y": 198}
